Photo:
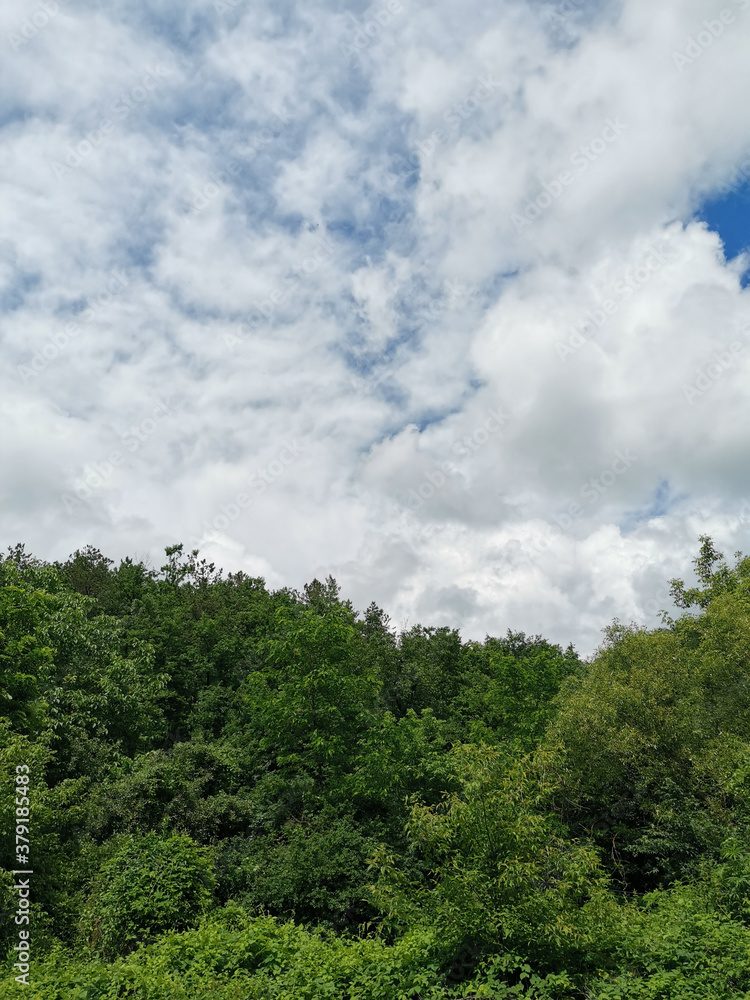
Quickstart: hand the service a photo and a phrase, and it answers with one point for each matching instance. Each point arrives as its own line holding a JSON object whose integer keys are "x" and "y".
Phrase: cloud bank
{"x": 421, "y": 298}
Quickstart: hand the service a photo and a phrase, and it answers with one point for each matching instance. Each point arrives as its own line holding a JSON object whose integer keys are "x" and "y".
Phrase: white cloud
{"x": 569, "y": 324}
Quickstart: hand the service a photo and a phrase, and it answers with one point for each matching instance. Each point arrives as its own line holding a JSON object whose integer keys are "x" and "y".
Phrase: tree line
{"x": 239, "y": 793}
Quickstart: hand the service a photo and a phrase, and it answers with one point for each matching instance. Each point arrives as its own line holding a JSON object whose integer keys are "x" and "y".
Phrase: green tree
{"x": 103, "y": 691}
{"x": 715, "y": 575}
{"x": 429, "y": 674}
{"x": 397, "y": 758}
{"x": 657, "y": 735}
{"x": 508, "y": 686}
{"x": 503, "y": 876}
{"x": 313, "y": 699}
{"x": 25, "y": 657}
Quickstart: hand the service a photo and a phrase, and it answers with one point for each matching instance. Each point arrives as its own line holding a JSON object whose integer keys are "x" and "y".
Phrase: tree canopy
{"x": 236, "y": 793}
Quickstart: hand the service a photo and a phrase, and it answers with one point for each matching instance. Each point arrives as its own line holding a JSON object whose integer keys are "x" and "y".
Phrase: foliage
{"x": 502, "y": 874}
{"x": 312, "y": 705}
{"x": 509, "y": 684}
{"x": 148, "y": 887}
{"x": 238, "y": 793}
{"x": 25, "y": 658}
{"x": 715, "y": 575}
{"x": 657, "y": 736}
{"x": 312, "y": 870}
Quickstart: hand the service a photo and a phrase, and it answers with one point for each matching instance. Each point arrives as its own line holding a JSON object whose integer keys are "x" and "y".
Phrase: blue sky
{"x": 449, "y": 302}
{"x": 729, "y": 216}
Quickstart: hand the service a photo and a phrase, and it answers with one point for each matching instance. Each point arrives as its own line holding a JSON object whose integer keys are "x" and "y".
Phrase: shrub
{"x": 150, "y": 886}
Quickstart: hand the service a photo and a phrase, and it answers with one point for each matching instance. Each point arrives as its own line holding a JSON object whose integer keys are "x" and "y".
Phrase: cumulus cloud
{"x": 415, "y": 297}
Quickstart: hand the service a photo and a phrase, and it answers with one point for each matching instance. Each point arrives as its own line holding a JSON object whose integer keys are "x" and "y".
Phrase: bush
{"x": 150, "y": 886}
{"x": 315, "y": 870}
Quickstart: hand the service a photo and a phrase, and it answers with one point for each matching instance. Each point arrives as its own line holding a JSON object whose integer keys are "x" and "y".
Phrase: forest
{"x": 213, "y": 790}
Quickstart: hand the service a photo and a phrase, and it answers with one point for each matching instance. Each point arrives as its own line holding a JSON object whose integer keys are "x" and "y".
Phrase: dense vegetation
{"x": 244, "y": 794}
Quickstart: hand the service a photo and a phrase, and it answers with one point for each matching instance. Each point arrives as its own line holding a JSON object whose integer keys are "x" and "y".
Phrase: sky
{"x": 448, "y": 301}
